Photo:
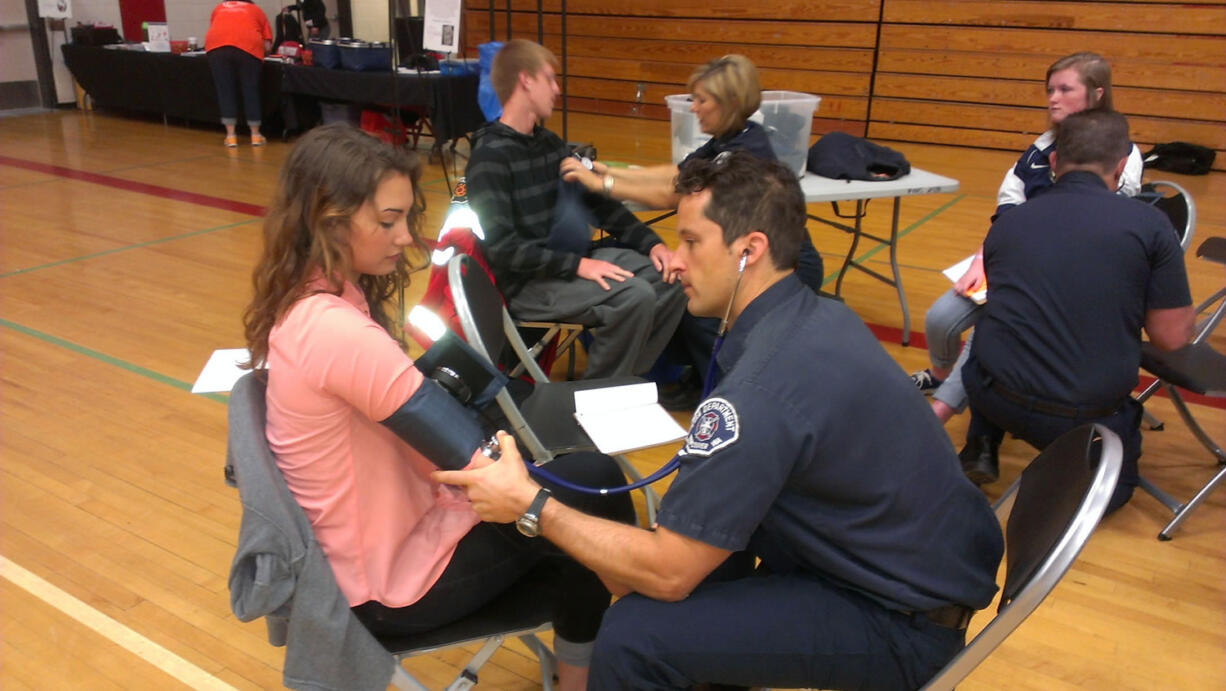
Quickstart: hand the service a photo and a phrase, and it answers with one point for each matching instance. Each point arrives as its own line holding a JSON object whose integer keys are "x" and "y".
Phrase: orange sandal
{"x": 258, "y": 140}
{"x": 231, "y": 142}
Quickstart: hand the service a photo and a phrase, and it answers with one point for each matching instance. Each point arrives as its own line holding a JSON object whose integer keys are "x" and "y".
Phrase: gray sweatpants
{"x": 632, "y": 321}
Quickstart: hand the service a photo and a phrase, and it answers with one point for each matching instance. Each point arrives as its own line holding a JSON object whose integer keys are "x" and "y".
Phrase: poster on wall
{"x": 55, "y": 9}
{"x": 442, "y": 26}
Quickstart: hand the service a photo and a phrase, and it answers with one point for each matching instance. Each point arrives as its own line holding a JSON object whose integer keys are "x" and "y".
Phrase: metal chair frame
{"x": 1213, "y": 249}
{"x": 490, "y": 626}
{"x": 1151, "y": 193}
{"x": 481, "y": 335}
{"x": 1048, "y": 540}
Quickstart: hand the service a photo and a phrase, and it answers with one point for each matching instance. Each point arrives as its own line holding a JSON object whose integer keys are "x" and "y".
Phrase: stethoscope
{"x": 674, "y": 463}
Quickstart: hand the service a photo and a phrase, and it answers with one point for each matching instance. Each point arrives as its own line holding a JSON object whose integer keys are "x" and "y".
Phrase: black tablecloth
{"x": 451, "y": 100}
{"x": 179, "y": 86}
{"x": 182, "y": 86}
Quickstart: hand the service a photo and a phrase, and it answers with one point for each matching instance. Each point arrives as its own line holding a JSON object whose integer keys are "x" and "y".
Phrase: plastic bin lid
{"x": 792, "y": 96}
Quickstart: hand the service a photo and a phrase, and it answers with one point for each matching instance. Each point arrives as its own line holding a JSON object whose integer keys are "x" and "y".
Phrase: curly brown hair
{"x": 330, "y": 173}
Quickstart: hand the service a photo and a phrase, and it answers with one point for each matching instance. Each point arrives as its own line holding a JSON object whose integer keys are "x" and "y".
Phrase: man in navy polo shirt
{"x": 813, "y": 453}
{"x": 1073, "y": 276}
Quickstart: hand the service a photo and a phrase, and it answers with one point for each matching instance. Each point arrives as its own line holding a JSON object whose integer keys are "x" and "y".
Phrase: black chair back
{"x": 1053, "y": 488}
{"x": 1061, "y": 496}
{"x": 485, "y": 303}
{"x": 1174, "y": 201}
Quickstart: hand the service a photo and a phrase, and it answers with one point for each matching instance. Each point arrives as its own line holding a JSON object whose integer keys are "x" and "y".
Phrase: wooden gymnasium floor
{"x": 126, "y": 252}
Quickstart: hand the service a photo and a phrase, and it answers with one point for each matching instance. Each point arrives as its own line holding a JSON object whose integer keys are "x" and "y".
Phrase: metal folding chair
{"x": 1174, "y": 201}
{"x": 1059, "y": 500}
{"x": 544, "y": 423}
{"x": 1198, "y": 368}
{"x": 295, "y": 610}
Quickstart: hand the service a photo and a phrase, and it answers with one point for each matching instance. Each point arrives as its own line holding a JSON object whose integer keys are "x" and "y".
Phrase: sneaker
{"x": 230, "y": 142}
{"x": 258, "y": 140}
{"x": 925, "y": 382}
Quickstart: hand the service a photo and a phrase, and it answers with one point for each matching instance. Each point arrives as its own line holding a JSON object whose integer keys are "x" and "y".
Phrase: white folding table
{"x": 820, "y": 189}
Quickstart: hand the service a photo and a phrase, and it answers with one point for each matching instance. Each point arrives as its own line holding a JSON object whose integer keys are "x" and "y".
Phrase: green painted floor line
{"x": 902, "y": 233}
{"x": 129, "y": 247}
{"x": 103, "y": 357}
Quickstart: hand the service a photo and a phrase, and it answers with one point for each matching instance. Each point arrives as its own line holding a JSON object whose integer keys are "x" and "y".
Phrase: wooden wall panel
{"x": 1095, "y": 16}
{"x": 1192, "y": 105}
{"x": 970, "y": 72}
{"x": 771, "y": 33}
{"x": 960, "y": 72}
{"x": 1192, "y": 49}
{"x": 1125, "y": 71}
{"x": 833, "y": 10}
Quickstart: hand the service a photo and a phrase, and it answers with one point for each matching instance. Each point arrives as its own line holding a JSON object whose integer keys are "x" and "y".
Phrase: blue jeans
{"x": 235, "y": 69}
{"x": 950, "y": 315}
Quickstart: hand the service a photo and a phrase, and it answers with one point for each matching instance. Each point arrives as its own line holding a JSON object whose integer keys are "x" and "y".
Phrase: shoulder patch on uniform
{"x": 715, "y": 425}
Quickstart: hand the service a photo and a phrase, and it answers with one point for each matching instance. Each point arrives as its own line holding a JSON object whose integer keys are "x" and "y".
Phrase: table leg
{"x": 902, "y": 297}
{"x": 851, "y": 252}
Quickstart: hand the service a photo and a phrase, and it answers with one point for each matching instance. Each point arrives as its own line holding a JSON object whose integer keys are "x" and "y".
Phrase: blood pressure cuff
{"x": 437, "y": 426}
{"x": 467, "y": 376}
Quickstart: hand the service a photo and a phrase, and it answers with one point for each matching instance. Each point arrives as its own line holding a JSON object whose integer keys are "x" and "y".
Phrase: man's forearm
{"x": 625, "y": 557}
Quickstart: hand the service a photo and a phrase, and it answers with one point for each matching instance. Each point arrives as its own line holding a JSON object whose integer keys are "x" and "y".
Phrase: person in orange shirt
{"x": 356, "y": 428}
{"x": 238, "y": 37}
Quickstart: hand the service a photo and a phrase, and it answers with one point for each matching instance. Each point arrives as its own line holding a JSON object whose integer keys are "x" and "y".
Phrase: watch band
{"x": 538, "y": 503}
{"x": 529, "y": 524}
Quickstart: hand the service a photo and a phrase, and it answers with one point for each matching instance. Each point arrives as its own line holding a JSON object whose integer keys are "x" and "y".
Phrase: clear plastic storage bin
{"x": 786, "y": 115}
{"x": 687, "y": 136}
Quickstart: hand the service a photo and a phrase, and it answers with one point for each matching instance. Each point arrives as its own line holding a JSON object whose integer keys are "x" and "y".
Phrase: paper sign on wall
{"x": 55, "y": 9}
{"x": 442, "y": 26}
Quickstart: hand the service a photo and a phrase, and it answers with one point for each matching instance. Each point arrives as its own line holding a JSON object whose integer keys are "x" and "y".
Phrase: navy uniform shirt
{"x": 817, "y": 453}
{"x": 751, "y": 138}
{"x": 1070, "y": 276}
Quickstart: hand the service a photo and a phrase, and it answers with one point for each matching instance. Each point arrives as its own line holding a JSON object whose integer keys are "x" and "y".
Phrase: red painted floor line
{"x": 887, "y": 334}
{"x": 138, "y": 187}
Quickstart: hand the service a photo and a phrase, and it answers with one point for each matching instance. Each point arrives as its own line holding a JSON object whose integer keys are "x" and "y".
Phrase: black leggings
{"x": 234, "y": 68}
{"x": 492, "y": 558}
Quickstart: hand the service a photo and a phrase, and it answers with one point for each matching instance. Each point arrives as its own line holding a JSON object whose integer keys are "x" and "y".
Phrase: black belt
{"x": 1039, "y": 405}
{"x": 955, "y": 617}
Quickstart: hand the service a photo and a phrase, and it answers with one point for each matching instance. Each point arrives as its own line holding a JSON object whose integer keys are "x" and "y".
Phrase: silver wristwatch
{"x": 529, "y": 524}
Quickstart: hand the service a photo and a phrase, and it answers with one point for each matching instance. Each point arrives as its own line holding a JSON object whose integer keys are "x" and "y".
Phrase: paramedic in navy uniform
{"x": 814, "y": 452}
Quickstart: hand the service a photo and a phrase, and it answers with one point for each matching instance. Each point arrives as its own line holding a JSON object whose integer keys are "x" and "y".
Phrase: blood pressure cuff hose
{"x": 437, "y": 426}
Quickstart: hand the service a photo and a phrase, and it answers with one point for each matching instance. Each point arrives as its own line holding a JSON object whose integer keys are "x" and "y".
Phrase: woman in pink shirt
{"x": 357, "y": 429}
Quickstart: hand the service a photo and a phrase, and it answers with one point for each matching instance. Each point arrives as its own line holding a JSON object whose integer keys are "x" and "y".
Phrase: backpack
{"x": 1180, "y": 157}
{"x": 847, "y": 157}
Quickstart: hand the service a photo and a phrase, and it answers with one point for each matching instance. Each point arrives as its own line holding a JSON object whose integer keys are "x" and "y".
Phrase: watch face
{"x": 529, "y": 526}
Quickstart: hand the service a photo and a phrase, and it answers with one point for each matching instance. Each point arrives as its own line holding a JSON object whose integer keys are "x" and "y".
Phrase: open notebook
{"x": 625, "y": 418}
